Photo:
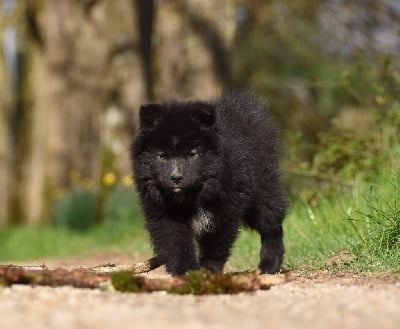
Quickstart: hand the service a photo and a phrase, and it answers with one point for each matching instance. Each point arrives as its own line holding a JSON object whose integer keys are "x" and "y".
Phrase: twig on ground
{"x": 138, "y": 268}
{"x": 195, "y": 282}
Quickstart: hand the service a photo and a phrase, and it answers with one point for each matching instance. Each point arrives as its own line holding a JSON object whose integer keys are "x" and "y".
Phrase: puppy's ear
{"x": 150, "y": 115}
{"x": 204, "y": 114}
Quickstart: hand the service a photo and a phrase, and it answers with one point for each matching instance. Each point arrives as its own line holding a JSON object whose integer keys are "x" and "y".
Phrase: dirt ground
{"x": 308, "y": 300}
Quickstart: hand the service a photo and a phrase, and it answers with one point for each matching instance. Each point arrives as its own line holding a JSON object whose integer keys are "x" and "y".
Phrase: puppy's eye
{"x": 194, "y": 153}
{"x": 161, "y": 156}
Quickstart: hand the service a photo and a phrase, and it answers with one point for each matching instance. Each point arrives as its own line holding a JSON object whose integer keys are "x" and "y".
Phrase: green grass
{"x": 364, "y": 222}
{"x": 31, "y": 243}
{"x": 316, "y": 233}
{"x": 72, "y": 232}
{"x": 377, "y": 227}
{"x": 312, "y": 236}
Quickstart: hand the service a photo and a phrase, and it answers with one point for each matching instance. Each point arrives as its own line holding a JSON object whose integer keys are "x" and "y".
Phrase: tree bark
{"x": 83, "y": 66}
{"x": 5, "y": 107}
{"x": 194, "y": 38}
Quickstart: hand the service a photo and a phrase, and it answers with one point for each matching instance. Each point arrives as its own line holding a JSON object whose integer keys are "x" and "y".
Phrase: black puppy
{"x": 201, "y": 168}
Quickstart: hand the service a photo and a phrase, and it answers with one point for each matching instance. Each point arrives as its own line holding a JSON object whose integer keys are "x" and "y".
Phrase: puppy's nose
{"x": 176, "y": 178}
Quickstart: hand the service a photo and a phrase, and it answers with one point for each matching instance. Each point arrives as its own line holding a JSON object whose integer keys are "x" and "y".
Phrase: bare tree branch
{"x": 138, "y": 268}
{"x": 196, "y": 282}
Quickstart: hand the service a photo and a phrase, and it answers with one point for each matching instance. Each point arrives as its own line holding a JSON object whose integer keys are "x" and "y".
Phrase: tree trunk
{"x": 5, "y": 105}
{"x": 129, "y": 81}
{"x": 84, "y": 62}
{"x": 194, "y": 38}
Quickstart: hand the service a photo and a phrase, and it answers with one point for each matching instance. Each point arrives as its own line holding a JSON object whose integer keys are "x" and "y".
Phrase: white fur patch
{"x": 202, "y": 222}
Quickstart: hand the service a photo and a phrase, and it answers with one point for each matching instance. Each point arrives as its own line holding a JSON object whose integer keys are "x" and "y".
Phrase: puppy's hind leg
{"x": 268, "y": 222}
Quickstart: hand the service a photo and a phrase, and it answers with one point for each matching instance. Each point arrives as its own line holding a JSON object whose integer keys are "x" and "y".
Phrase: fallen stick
{"x": 196, "y": 282}
{"x": 78, "y": 278}
{"x": 138, "y": 268}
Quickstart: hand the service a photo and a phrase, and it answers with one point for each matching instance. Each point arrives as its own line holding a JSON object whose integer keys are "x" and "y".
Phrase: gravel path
{"x": 293, "y": 305}
{"x": 310, "y": 300}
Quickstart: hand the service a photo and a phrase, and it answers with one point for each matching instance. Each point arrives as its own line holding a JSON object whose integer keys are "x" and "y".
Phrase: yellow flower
{"x": 109, "y": 178}
{"x": 127, "y": 180}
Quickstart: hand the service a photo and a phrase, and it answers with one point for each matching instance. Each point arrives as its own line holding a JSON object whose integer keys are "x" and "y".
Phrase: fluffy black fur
{"x": 201, "y": 168}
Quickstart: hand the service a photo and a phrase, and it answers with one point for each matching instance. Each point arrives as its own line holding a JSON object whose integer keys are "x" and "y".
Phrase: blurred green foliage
{"x": 285, "y": 63}
{"x": 76, "y": 210}
{"x": 351, "y": 154}
{"x": 362, "y": 137}
{"x": 282, "y": 51}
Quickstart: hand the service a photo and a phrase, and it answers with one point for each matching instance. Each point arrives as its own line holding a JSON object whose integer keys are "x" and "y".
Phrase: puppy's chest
{"x": 203, "y": 222}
